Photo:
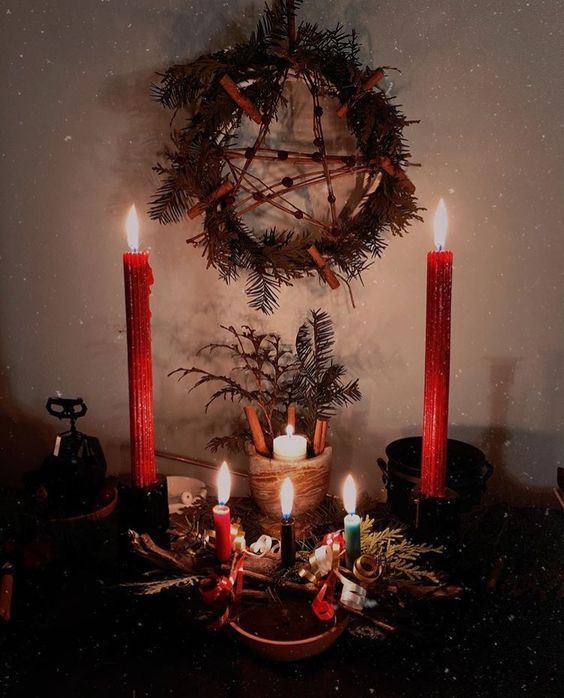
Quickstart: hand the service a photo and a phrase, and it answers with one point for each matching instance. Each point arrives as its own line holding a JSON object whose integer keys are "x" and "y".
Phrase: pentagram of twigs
{"x": 209, "y": 173}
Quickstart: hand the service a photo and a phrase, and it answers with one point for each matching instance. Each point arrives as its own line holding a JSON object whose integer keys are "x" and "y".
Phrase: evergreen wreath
{"x": 205, "y": 172}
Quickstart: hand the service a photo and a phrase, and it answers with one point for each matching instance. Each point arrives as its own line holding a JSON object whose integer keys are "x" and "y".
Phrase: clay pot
{"x": 310, "y": 478}
{"x": 264, "y": 629}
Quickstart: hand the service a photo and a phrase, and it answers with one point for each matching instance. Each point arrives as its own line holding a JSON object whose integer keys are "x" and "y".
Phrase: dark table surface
{"x": 75, "y": 634}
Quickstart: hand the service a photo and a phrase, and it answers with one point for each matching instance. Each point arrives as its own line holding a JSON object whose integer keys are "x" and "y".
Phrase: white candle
{"x": 290, "y": 447}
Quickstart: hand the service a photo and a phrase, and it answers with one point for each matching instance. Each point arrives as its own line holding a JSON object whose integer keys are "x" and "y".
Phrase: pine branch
{"x": 402, "y": 557}
{"x": 150, "y": 588}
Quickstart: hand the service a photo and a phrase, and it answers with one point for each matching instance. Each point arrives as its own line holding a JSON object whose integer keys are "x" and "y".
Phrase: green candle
{"x": 352, "y": 523}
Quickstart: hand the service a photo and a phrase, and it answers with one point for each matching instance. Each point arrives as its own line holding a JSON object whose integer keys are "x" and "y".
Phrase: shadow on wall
{"x": 514, "y": 452}
{"x": 25, "y": 440}
{"x": 130, "y": 96}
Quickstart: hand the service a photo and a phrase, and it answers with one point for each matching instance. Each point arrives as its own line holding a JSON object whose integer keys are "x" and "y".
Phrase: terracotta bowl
{"x": 258, "y": 627}
{"x": 310, "y": 477}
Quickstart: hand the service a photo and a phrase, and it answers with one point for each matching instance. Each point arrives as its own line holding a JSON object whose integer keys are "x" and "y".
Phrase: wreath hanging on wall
{"x": 208, "y": 172}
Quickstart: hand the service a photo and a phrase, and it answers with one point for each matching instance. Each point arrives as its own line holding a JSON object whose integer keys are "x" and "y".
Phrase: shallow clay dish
{"x": 287, "y": 632}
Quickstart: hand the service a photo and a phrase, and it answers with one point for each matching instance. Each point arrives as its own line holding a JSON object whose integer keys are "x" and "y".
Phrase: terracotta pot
{"x": 257, "y": 632}
{"x": 310, "y": 478}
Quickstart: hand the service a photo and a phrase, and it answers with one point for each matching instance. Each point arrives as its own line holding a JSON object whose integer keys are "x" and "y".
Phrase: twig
{"x": 378, "y": 623}
{"x": 143, "y": 545}
{"x": 307, "y": 588}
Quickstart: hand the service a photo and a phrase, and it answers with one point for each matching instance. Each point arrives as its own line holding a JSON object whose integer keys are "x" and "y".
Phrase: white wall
{"x": 80, "y": 134}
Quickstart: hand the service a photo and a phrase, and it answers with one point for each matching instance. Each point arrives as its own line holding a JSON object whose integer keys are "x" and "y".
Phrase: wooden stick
{"x": 6, "y": 591}
{"x": 341, "y": 172}
{"x": 326, "y": 271}
{"x": 197, "y": 462}
{"x": 291, "y": 416}
{"x": 256, "y": 431}
{"x": 144, "y": 546}
{"x": 306, "y": 588}
{"x": 240, "y": 99}
{"x": 372, "y": 80}
{"x": 404, "y": 181}
{"x": 304, "y": 159}
{"x": 378, "y": 623}
{"x": 216, "y": 194}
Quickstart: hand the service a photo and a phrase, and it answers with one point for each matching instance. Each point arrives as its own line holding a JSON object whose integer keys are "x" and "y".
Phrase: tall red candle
{"x": 222, "y": 515}
{"x": 138, "y": 280}
{"x": 437, "y": 362}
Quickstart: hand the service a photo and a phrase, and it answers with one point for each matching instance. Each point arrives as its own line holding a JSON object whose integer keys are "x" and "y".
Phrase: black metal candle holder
{"x": 144, "y": 509}
{"x": 436, "y": 519}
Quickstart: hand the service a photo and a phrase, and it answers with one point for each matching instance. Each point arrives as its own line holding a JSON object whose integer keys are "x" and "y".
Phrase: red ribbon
{"x": 337, "y": 538}
{"x": 322, "y": 605}
{"x": 214, "y": 589}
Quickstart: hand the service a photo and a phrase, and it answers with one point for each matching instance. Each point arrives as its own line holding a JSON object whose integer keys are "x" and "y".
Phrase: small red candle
{"x": 138, "y": 280}
{"x": 437, "y": 362}
{"x": 222, "y": 515}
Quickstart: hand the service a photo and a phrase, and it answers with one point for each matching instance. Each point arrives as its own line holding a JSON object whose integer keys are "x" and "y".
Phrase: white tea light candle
{"x": 290, "y": 447}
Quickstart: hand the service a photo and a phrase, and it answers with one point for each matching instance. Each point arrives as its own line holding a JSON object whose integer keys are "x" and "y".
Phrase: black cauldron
{"x": 467, "y": 473}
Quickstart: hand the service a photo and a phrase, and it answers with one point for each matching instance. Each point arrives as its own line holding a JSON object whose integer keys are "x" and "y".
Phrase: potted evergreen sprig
{"x": 274, "y": 382}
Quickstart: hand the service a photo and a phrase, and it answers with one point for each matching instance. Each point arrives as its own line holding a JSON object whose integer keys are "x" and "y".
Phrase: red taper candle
{"x": 222, "y": 515}
{"x": 437, "y": 362}
{"x": 138, "y": 280}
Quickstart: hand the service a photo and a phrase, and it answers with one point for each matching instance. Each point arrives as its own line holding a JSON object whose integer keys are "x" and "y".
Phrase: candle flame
{"x": 349, "y": 495}
{"x": 289, "y": 430}
{"x": 440, "y": 225}
{"x": 132, "y": 229}
{"x": 223, "y": 484}
{"x": 287, "y": 498}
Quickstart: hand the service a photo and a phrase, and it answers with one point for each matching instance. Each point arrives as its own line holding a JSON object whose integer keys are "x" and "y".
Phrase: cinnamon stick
{"x": 240, "y": 99}
{"x": 372, "y": 80}
{"x": 387, "y": 165}
{"x": 223, "y": 189}
{"x": 319, "y": 436}
{"x": 6, "y": 591}
{"x": 256, "y": 431}
{"x": 291, "y": 416}
{"x": 324, "y": 427}
{"x": 326, "y": 271}
{"x": 291, "y": 10}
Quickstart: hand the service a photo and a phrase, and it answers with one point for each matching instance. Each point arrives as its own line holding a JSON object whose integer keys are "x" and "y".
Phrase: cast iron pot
{"x": 467, "y": 473}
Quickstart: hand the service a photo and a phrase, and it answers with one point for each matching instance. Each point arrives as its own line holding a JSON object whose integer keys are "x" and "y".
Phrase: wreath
{"x": 207, "y": 172}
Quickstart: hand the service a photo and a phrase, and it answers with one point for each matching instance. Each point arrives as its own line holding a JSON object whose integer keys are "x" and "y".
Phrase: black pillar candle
{"x": 287, "y": 542}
